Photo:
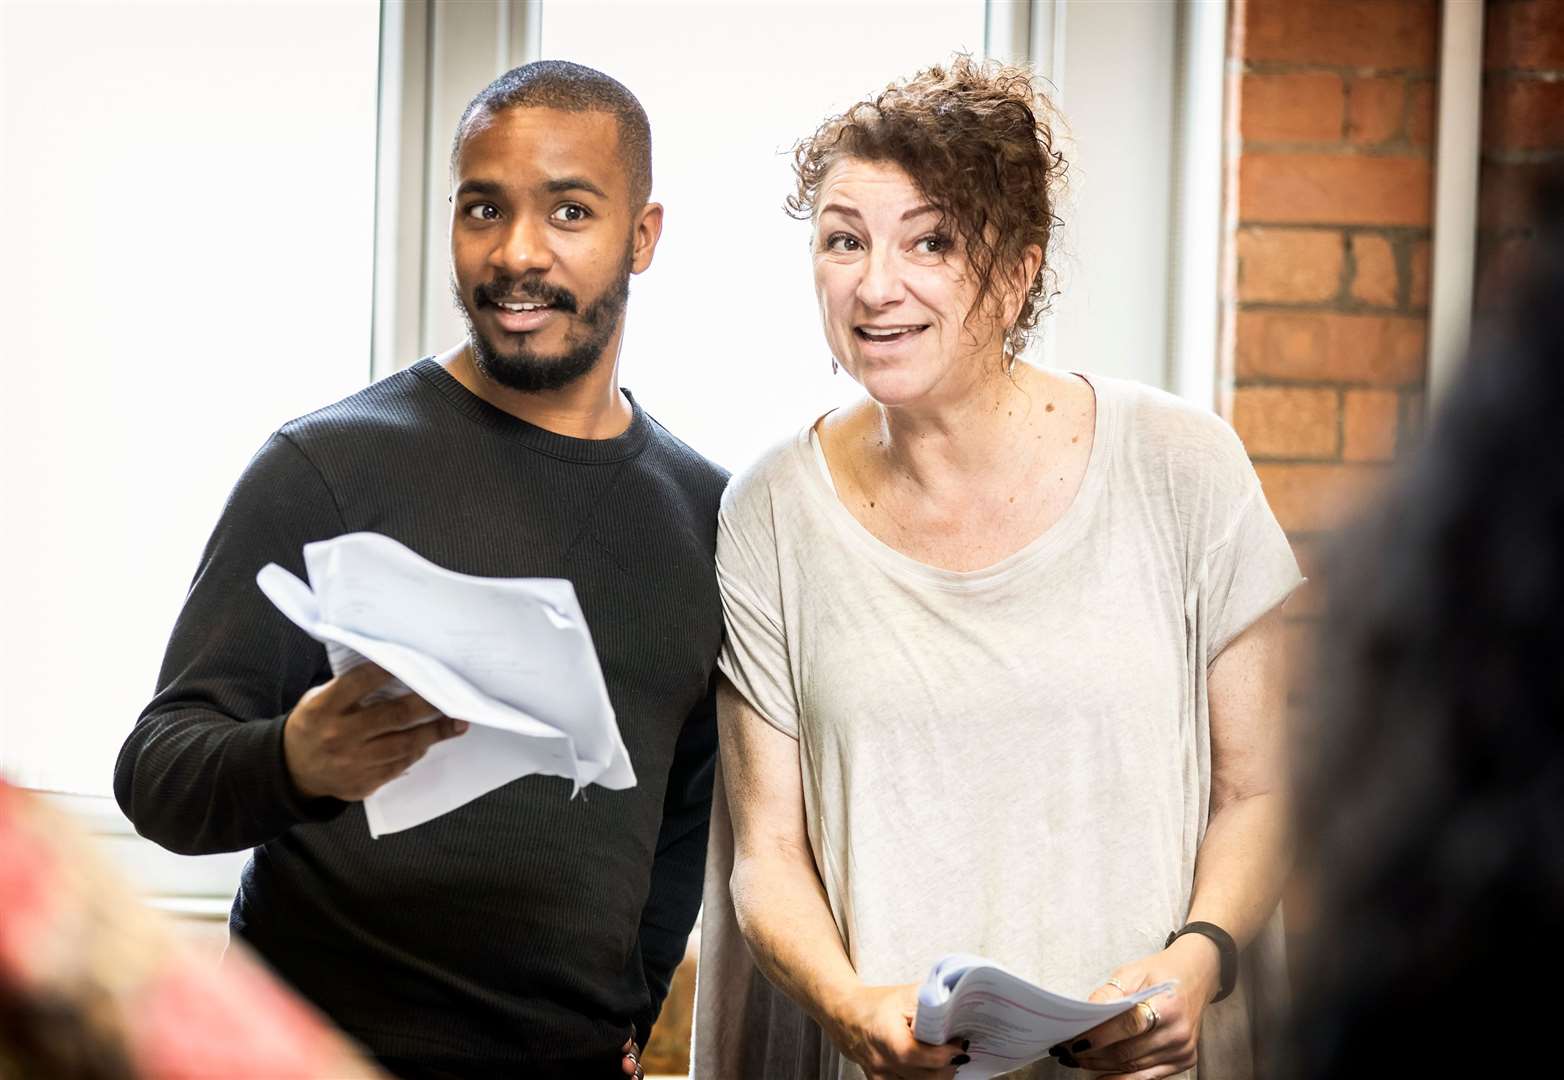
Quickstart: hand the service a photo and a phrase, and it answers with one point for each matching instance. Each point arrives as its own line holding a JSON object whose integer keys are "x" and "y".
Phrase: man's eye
{"x": 483, "y": 211}
{"x": 842, "y": 242}
{"x": 572, "y": 212}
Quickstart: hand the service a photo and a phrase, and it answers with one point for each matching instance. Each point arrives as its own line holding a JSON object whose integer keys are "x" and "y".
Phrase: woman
{"x": 1003, "y": 669}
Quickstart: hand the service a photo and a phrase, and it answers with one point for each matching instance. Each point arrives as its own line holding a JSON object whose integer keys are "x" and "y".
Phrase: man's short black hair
{"x": 559, "y": 84}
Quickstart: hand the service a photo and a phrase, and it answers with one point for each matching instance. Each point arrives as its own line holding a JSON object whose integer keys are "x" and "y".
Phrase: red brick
{"x": 1506, "y": 193}
{"x": 1289, "y": 265}
{"x": 1523, "y": 114}
{"x": 1374, "y": 271}
{"x": 1417, "y": 291}
{"x": 1523, "y": 34}
{"x": 1368, "y": 430}
{"x": 1312, "y": 498}
{"x": 1286, "y": 421}
{"x": 1399, "y": 34}
{"x": 1422, "y": 112}
{"x": 1376, "y": 108}
{"x": 1302, "y": 107}
{"x": 1384, "y": 350}
{"x": 1325, "y": 189}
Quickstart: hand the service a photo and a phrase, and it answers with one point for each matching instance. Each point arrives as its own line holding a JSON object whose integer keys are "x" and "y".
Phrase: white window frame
{"x": 1035, "y": 33}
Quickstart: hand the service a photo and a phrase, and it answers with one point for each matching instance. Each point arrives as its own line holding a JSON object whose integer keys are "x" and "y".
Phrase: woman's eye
{"x": 572, "y": 212}
{"x": 932, "y": 244}
{"x": 842, "y": 242}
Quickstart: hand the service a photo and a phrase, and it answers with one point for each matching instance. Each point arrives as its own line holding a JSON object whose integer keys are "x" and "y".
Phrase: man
{"x": 527, "y": 932}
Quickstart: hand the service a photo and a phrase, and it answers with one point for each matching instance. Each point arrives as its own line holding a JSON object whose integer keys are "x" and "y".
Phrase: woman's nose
{"x": 881, "y": 283}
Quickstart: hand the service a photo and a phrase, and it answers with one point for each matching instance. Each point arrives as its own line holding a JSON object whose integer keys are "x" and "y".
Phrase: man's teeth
{"x": 521, "y": 307}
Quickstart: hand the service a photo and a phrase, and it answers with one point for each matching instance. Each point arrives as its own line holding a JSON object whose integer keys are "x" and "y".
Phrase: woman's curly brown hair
{"x": 977, "y": 139}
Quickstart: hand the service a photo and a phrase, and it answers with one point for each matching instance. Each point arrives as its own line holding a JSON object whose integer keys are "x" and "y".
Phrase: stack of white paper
{"x": 1009, "y": 1020}
{"x": 512, "y": 656}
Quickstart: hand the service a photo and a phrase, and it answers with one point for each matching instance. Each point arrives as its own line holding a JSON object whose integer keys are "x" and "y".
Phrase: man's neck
{"x": 591, "y": 407}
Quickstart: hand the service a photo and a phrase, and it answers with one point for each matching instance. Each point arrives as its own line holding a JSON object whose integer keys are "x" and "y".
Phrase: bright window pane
{"x": 723, "y": 343}
{"x": 186, "y": 212}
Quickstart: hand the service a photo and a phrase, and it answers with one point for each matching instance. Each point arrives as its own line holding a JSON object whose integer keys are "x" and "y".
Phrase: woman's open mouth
{"x": 887, "y": 335}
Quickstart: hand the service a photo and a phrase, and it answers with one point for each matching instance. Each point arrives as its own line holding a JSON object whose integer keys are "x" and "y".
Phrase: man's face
{"x": 542, "y": 243}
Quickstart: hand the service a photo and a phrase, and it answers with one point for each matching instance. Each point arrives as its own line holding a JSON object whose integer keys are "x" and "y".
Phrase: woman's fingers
{"x": 1166, "y": 1037}
{"x": 1127, "y": 1025}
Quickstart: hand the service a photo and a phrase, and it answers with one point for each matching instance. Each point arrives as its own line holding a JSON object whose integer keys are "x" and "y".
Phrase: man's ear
{"x": 648, "y": 229}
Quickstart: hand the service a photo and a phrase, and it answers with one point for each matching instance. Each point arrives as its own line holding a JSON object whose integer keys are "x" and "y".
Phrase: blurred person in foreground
{"x": 1003, "y": 660}
{"x": 94, "y": 985}
{"x": 1431, "y": 795}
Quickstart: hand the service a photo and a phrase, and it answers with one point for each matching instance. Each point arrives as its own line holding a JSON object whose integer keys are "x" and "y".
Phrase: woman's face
{"x": 893, "y": 288}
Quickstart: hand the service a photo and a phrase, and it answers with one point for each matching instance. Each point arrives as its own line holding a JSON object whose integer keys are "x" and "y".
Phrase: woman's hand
{"x": 1133, "y": 1046}
{"x": 873, "y": 1028}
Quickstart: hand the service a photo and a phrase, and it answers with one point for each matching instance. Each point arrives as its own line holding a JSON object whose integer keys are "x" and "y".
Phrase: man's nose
{"x": 523, "y": 248}
{"x": 881, "y": 283}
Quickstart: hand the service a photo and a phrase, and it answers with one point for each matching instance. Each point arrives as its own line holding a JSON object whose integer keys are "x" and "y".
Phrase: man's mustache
{"x": 511, "y": 291}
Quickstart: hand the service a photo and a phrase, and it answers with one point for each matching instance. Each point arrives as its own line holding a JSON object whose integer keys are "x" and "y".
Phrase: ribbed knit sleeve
{"x": 203, "y": 770}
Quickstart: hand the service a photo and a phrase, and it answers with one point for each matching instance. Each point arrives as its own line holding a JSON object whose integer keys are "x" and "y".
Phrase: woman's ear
{"x": 1026, "y": 272}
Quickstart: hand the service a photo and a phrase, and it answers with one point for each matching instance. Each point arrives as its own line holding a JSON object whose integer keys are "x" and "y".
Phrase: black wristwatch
{"x": 1225, "y": 946}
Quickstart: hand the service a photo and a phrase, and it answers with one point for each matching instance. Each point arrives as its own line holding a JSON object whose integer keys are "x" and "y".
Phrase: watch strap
{"x": 1226, "y": 948}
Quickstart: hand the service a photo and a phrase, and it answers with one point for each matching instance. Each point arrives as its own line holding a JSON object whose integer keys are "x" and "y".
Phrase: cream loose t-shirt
{"x": 1013, "y": 761}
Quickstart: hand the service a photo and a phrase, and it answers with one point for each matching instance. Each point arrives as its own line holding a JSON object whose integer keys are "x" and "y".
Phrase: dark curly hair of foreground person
{"x": 1431, "y": 831}
{"x": 978, "y": 139}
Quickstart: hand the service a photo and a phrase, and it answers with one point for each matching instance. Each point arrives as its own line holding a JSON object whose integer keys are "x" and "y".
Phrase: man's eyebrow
{"x": 574, "y": 183}
{"x": 480, "y": 187}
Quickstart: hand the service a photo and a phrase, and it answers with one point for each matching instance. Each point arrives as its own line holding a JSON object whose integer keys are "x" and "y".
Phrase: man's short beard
{"x": 525, "y": 370}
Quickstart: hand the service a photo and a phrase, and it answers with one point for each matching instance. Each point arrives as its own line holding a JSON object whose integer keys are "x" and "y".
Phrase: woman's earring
{"x": 833, "y": 365}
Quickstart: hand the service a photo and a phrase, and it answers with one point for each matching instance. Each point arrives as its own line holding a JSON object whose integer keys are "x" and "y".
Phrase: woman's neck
{"x": 986, "y": 432}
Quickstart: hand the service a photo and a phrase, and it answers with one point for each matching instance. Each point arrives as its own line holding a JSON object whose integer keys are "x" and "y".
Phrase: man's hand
{"x": 632, "y": 1059}
{"x": 874, "y": 1029}
{"x": 334, "y": 745}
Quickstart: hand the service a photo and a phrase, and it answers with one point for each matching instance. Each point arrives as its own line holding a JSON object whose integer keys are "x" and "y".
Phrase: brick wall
{"x": 1522, "y": 132}
{"x": 1330, "y": 196}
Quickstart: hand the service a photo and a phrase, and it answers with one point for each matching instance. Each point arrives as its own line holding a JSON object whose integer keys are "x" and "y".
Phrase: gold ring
{"x": 1118, "y": 984}
{"x": 1151, "y": 1016}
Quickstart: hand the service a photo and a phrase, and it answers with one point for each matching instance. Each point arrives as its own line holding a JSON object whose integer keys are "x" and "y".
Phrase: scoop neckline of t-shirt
{"x": 1045, "y": 545}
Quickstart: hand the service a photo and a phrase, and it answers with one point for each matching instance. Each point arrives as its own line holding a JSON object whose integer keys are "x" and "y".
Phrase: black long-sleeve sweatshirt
{"x": 526, "y": 928}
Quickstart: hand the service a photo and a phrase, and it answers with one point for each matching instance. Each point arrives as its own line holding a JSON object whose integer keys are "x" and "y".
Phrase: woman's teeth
{"x": 887, "y": 333}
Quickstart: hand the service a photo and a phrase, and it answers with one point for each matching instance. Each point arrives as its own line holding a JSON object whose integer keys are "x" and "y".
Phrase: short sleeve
{"x": 1247, "y": 571}
{"x": 754, "y": 653}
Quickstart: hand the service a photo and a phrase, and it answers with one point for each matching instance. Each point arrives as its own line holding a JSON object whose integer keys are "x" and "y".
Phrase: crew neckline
{"x": 1046, "y": 545}
{"x": 626, "y": 444}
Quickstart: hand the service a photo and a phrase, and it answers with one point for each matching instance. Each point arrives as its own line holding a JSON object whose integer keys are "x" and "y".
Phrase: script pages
{"x": 512, "y": 656}
{"x": 1009, "y": 1020}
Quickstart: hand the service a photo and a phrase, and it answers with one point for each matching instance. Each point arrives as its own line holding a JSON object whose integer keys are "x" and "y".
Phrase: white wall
{"x": 186, "y": 217}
